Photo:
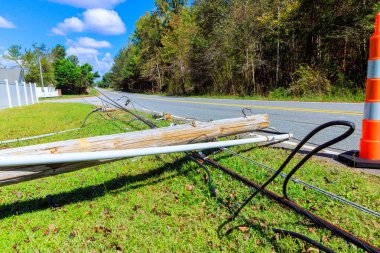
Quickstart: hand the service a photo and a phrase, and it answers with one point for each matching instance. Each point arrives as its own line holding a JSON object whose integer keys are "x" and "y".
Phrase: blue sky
{"x": 94, "y": 30}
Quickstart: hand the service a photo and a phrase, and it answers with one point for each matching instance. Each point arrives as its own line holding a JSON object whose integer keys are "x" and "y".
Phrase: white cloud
{"x": 103, "y": 21}
{"x": 6, "y": 24}
{"x": 88, "y": 43}
{"x": 100, "y": 21}
{"x": 91, "y": 56}
{"x": 105, "y": 64}
{"x": 90, "y": 4}
{"x": 82, "y": 51}
{"x": 69, "y": 25}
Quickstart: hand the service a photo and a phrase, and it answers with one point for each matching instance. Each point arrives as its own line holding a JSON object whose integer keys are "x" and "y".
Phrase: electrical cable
{"x": 294, "y": 206}
{"x": 55, "y": 133}
{"x": 88, "y": 115}
{"x": 118, "y": 107}
{"x": 293, "y": 121}
{"x": 307, "y": 157}
{"x": 298, "y": 181}
{"x": 37, "y": 136}
{"x": 269, "y": 193}
{"x": 209, "y": 178}
{"x": 150, "y": 124}
{"x": 282, "y": 118}
{"x": 113, "y": 123}
{"x": 304, "y": 238}
{"x": 299, "y": 140}
{"x": 105, "y": 104}
{"x": 128, "y": 101}
{"x": 342, "y": 233}
{"x": 338, "y": 231}
{"x": 153, "y": 126}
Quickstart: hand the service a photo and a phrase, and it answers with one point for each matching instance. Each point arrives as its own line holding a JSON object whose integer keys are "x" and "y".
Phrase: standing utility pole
{"x": 278, "y": 45}
{"x": 42, "y": 78}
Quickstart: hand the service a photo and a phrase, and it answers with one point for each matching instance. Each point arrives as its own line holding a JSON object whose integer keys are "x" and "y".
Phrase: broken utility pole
{"x": 162, "y": 137}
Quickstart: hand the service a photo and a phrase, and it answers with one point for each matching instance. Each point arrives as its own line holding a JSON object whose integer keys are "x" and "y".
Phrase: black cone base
{"x": 351, "y": 158}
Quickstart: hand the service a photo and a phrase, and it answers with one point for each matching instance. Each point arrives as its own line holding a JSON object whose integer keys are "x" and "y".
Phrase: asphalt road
{"x": 298, "y": 118}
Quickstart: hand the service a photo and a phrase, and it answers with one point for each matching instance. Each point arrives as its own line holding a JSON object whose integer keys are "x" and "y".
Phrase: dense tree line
{"x": 248, "y": 47}
{"x": 63, "y": 72}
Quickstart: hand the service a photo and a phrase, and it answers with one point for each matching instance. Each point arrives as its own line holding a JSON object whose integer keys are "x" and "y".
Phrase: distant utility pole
{"x": 278, "y": 46}
{"x": 42, "y": 78}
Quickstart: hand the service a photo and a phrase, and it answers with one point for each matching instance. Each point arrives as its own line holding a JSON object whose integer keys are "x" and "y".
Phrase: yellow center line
{"x": 256, "y": 106}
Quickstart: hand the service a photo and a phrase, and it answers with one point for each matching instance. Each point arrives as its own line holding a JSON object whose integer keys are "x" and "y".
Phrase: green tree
{"x": 247, "y": 47}
{"x": 28, "y": 60}
{"x": 147, "y": 38}
{"x": 67, "y": 75}
{"x": 87, "y": 77}
{"x": 176, "y": 51}
{"x": 72, "y": 78}
{"x": 14, "y": 54}
{"x": 165, "y": 6}
{"x": 73, "y": 59}
{"x": 58, "y": 52}
{"x": 116, "y": 74}
{"x": 33, "y": 73}
{"x": 106, "y": 80}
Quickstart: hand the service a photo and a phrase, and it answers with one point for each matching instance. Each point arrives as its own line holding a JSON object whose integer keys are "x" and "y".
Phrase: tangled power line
{"x": 204, "y": 161}
{"x": 286, "y": 200}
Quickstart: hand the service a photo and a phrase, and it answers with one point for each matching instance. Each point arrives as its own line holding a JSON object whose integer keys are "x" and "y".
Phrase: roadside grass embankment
{"x": 162, "y": 203}
{"x": 274, "y": 97}
{"x": 341, "y": 95}
{"x": 93, "y": 92}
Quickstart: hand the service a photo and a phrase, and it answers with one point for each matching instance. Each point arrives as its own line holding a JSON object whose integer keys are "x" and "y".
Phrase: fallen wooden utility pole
{"x": 161, "y": 137}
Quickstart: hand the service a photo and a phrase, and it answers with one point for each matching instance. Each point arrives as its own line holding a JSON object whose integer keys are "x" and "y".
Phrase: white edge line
{"x": 311, "y": 148}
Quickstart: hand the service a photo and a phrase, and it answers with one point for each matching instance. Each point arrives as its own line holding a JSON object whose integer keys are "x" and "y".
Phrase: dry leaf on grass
{"x": 243, "y": 228}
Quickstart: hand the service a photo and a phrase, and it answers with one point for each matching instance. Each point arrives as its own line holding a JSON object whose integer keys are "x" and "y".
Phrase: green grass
{"x": 339, "y": 95}
{"x": 92, "y": 93}
{"x": 327, "y": 98}
{"x": 358, "y": 99}
{"x": 162, "y": 204}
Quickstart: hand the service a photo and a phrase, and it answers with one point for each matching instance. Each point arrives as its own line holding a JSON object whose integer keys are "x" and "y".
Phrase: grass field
{"x": 273, "y": 97}
{"x": 344, "y": 96}
{"x": 91, "y": 93}
{"x": 162, "y": 204}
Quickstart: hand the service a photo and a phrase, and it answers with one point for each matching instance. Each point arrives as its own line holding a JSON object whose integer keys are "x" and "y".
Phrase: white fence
{"x": 17, "y": 94}
{"x": 47, "y": 92}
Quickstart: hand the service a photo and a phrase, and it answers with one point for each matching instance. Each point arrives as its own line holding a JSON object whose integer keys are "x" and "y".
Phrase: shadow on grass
{"x": 119, "y": 185}
{"x": 92, "y": 192}
{"x": 264, "y": 231}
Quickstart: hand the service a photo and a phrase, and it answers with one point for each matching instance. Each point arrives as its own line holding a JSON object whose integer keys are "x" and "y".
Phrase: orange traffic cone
{"x": 369, "y": 153}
